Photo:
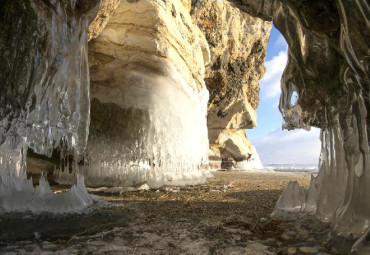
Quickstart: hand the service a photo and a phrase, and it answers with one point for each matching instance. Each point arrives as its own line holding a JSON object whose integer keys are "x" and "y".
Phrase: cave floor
{"x": 228, "y": 215}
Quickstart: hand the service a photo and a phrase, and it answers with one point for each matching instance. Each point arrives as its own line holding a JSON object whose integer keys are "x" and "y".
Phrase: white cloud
{"x": 289, "y": 147}
{"x": 270, "y": 84}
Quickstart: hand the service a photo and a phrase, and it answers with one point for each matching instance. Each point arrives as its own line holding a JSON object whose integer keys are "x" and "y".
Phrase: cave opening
{"x": 151, "y": 68}
{"x": 278, "y": 149}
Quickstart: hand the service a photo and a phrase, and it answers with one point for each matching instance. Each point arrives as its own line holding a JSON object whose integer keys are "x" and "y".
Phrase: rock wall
{"x": 149, "y": 100}
{"x": 106, "y": 9}
{"x": 122, "y": 49}
{"x": 238, "y": 44}
{"x": 328, "y": 66}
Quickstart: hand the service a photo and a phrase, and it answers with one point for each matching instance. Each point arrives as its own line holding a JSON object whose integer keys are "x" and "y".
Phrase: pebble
{"x": 308, "y": 250}
{"x": 322, "y": 253}
{"x": 263, "y": 220}
{"x": 285, "y": 236}
{"x": 291, "y": 233}
{"x": 304, "y": 233}
{"x": 51, "y": 247}
{"x": 47, "y": 253}
{"x": 292, "y": 251}
{"x": 333, "y": 250}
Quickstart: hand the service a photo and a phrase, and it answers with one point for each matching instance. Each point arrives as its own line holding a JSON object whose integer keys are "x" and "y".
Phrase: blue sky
{"x": 273, "y": 144}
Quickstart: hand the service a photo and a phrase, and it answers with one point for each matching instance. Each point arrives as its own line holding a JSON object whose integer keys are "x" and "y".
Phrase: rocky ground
{"x": 228, "y": 215}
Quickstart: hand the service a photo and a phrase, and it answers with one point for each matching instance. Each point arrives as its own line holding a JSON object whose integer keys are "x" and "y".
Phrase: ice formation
{"x": 167, "y": 144}
{"x": 253, "y": 163}
{"x": 149, "y": 100}
{"x": 50, "y": 106}
{"x": 341, "y": 191}
{"x": 327, "y": 75}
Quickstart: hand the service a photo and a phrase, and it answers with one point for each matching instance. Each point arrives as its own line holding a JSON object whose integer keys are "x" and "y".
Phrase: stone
{"x": 263, "y": 220}
{"x": 308, "y": 250}
{"x": 291, "y": 233}
{"x": 237, "y": 43}
{"x": 285, "y": 236}
{"x": 106, "y": 9}
{"x": 291, "y": 250}
{"x": 303, "y": 233}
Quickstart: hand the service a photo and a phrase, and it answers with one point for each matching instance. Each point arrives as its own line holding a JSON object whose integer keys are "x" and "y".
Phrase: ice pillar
{"x": 44, "y": 98}
{"x": 149, "y": 100}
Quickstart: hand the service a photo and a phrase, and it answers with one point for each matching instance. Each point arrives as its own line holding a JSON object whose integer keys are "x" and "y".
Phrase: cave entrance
{"x": 281, "y": 150}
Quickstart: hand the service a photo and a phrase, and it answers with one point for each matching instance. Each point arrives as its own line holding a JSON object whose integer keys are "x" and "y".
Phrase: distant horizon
{"x": 293, "y": 164}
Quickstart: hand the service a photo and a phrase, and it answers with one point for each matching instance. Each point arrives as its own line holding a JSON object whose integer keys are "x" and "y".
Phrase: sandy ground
{"x": 228, "y": 215}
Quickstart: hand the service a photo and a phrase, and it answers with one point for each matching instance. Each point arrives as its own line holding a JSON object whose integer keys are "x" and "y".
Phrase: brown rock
{"x": 106, "y": 9}
{"x": 238, "y": 46}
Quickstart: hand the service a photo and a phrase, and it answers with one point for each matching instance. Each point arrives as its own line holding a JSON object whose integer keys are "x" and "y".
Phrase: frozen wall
{"x": 44, "y": 98}
{"x": 149, "y": 100}
{"x": 328, "y": 67}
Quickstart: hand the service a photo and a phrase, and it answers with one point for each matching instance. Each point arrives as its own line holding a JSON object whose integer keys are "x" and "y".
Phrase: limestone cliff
{"x": 106, "y": 9}
{"x": 141, "y": 50}
{"x": 238, "y": 44}
{"x": 148, "y": 107}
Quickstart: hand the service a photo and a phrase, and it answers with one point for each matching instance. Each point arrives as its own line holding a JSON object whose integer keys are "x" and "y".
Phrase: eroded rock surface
{"x": 106, "y": 9}
{"x": 238, "y": 43}
{"x": 149, "y": 100}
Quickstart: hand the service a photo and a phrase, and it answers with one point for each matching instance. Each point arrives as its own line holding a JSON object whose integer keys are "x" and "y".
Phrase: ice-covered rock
{"x": 253, "y": 163}
{"x": 149, "y": 100}
{"x": 44, "y": 98}
{"x": 328, "y": 70}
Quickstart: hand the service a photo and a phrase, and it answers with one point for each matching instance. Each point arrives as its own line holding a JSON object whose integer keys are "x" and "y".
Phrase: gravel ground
{"x": 228, "y": 215}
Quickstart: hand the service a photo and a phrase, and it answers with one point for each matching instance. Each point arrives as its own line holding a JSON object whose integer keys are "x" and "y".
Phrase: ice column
{"x": 149, "y": 100}
{"x": 44, "y": 99}
{"x": 341, "y": 191}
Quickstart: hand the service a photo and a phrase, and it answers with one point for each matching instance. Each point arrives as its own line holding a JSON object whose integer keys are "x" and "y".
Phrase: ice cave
{"x": 138, "y": 95}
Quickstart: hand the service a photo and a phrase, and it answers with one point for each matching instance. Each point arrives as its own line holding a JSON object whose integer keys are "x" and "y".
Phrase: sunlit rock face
{"x": 328, "y": 67}
{"x": 148, "y": 98}
{"x": 238, "y": 43}
{"x": 44, "y": 97}
{"x": 106, "y": 9}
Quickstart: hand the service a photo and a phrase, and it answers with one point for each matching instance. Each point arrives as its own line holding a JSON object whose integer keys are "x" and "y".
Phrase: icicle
{"x": 341, "y": 190}
{"x": 56, "y": 89}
